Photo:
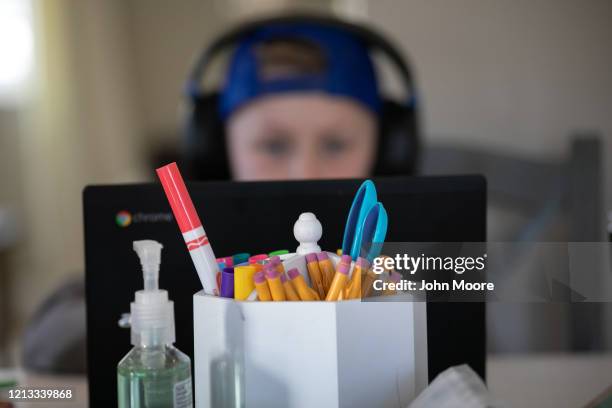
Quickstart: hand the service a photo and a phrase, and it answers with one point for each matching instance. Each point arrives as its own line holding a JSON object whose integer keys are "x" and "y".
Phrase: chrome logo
{"x": 123, "y": 218}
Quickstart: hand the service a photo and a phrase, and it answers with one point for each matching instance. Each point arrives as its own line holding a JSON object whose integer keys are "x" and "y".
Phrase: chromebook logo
{"x": 123, "y": 218}
{"x": 126, "y": 218}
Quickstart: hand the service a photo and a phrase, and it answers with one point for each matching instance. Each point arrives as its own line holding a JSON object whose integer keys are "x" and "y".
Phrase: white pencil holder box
{"x": 308, "y": 354}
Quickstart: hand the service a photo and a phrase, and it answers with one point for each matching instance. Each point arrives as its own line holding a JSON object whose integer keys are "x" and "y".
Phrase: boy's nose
{"x": 306, "y": 167}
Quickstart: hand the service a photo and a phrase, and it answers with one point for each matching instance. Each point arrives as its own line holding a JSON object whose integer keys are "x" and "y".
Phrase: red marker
{"x": 191, "y": 227}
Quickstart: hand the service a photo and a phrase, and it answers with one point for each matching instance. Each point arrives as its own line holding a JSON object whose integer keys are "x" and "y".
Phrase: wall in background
{"x": 78, "y": 127}
{"x": 518, "y": 76}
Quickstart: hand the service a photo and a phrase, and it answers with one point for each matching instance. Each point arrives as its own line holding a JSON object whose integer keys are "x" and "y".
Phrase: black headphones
{"x": 204, "y": 153}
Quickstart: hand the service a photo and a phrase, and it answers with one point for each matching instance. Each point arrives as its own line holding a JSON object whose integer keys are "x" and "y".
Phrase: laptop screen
{"x": 258, "y": 217}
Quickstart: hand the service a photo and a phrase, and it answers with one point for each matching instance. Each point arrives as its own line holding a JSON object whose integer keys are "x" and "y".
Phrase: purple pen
{"x": 227, "y": 283}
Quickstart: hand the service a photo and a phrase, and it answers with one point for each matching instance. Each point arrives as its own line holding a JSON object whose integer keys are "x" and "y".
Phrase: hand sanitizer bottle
{"x": 154, "y": 374}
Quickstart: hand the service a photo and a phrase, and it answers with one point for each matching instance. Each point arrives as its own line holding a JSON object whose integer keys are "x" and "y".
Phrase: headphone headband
{"x": 371, "y": 38}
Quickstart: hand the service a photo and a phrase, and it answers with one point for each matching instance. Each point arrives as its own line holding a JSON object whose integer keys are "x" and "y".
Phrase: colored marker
{"x": 227, "y": 283}
{"x": 289, "y": 289}
{"x": 261, "y": 286}
{"x": 191, "y": 227}
{"x": 276, "y": 286}
{"x": 339, "y": 281}
{"x": 258, "y": 258}
{"x": 327, "y": 270}
{"x": 304, "y": 292}
{"x": 243, "y": 281}
{"x": 278, "y": 252}
{"x": 240, "y": 258}
{"x": 227, "y": 260}
{"x": 314, "y": 272}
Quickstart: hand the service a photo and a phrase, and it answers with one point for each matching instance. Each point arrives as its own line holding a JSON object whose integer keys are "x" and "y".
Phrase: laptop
{"x": 258, "y": 217}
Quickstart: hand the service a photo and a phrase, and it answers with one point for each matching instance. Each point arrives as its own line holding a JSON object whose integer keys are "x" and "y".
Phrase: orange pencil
{"x": 303, "y": 290}
{"x": 289, "y": 289}
{"x": 276, "y": 286}
{"x": 261, "y": 286}
{"x": 278, "y": 264}
{"x": 327, "y": 270}
{"x": 316, "y": 277}
{"x": 353, "y": 290}
{"x": 339, "y": 282}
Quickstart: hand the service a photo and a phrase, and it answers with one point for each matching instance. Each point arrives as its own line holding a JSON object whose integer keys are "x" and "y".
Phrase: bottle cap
{"x": 152, "y": 313}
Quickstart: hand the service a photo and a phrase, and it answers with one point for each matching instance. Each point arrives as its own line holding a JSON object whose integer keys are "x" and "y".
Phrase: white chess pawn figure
{"x": 307, "y": 230}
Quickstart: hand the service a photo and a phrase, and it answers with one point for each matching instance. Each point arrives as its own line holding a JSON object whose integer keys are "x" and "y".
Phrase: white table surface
{"x": 549, "y": 380}
{"x": 534, "y": 380}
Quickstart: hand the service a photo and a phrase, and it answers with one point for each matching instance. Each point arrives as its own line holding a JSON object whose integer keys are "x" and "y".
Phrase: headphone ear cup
{"x": 398, "y": 147}
{"x": 204, "y": 152}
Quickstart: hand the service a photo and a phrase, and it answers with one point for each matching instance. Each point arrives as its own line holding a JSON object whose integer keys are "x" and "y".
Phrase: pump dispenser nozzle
{"x": 149, "y": 252}
{"x": 152, "y": 314}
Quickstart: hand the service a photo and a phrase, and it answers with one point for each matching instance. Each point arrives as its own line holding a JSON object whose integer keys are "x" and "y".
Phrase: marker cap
{"x": 279, "y": 252}
{"x": 240, "y": 257}
{"x": 227, "y": 283}
{"x": 228, "y": 261}
{"x": 258, "y": 258}
{"x": 178, "y": 197}
{"x": 243, "y": 281}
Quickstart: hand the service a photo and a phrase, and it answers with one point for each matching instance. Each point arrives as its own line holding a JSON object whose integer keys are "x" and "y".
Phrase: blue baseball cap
{"x": 343, "y": 67}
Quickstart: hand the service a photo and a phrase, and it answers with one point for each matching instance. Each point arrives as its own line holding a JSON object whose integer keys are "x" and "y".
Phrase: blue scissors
{"x": 366, "y": 226}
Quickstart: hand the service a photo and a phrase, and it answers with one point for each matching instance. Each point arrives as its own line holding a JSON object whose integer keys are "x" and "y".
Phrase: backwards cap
{"x": 329, "y": 60}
